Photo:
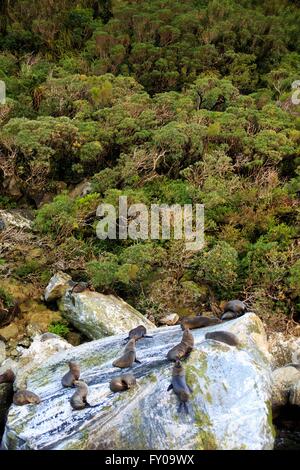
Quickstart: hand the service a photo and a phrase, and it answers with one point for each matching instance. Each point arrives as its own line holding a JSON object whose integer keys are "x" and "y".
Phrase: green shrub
{"x": 6, "y": 298}
{"x": 218, "y": 266}
{"x": 28, "y": 268}
{"x": 59, "y": 328}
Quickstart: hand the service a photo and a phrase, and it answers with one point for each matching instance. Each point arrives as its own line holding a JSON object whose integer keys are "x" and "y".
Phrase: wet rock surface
{"x": 229, "y": 408}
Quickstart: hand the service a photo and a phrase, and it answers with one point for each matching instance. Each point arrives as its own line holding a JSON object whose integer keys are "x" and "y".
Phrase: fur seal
{"x": 79, "y": 287}
{"x": 122, "y": 382}
{"x": 198, "y": 322}
{"x": 73, "y": 374}
{"x": 224, "y": 337}
{"x": 129, "y": 356}
{"x": 25, "y": 397}
{"x": 46, "y": 336}
{"x": 183, "y": 348}
{"x": 179, "y": 385}
{"x": 78, "y": 400}
{"x": 7, "y": 377}
{"x": 233, "y": 309}
{"x": 138, "y": 333}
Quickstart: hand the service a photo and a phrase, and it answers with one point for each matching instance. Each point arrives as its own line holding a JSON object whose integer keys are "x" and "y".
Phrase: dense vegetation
{"x": 165, "y": 102}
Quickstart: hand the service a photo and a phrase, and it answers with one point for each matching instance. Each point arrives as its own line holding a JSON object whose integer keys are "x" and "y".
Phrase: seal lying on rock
{"x": 183, "y": 348}
{"x": 122, "y": 382}
{"x": 73, "y": 374}
{"x": 138, "y": 333}
{"x": 7, "y": 377}
{"x": 198, "y": 322}
{"x": 25, "y": 397}
{"x": 47, "y": 336}
{"x": 129, "y": 356}
{"x": 179, "y": 385}
{"x": 78, "y": 399}
{"x": 233, "y": 309}
{"x": 224, "y": 337}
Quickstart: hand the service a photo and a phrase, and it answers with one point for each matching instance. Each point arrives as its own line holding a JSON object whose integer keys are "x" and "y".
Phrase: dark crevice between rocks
{"x": 287, "y": 425}
{"x": 6, "y": 397}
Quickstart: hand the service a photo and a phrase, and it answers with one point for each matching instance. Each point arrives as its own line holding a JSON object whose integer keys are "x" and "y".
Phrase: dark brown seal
{"x": 7, "y": 377}
{"x": 224, "y": 337}
{"x": 233, "y": 309}
{"x": 138, "y": 333}
{"x": 122, "y": 382}
{"x": 198, "y": 322}
{"x": 129, "y": 356}
{"x": 78, "y": 400}
{"x": 183, "y": 348}
{"x": 73, "y": 374}
{"x": 80, "y": 287}
{"x": 25, "y": 397}
{"x": 179, "y": 385}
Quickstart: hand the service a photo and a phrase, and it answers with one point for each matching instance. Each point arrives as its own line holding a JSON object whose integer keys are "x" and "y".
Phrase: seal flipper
{"x": 185, "y": 407}
{"x": 126, "y": 339}
{"x": 136, "y": 360}
{"x": 179, "y": 407}
{"x": 147, "y": 336}
{"x": 169, "y": 387}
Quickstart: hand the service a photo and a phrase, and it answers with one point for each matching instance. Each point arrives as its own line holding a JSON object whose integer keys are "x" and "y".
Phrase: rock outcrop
{"x": 169, "y": 320}
{"x": 283, "y": 350}
{"x": 98, "y": 315}
{"x": 57, "y": 286}
{"x": 285, "y": 386}
{"x": 229, "y": 407}
{"x": 14, "y": 219}
{"x": 38, "y": 353}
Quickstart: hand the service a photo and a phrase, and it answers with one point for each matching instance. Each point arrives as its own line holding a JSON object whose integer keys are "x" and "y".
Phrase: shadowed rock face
{"x": 228, "y": 409}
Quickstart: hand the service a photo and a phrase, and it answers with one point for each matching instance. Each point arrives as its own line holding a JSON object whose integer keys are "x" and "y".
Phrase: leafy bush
{"x": 6, "y": 298}
{"x": 59, "y": 328}
{"x": 219, "y": 266}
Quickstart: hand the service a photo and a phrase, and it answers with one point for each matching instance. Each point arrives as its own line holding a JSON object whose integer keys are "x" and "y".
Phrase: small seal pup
{"x": 224, "y": 337}
{"x": 78, "y": 400}
{"x": 73, "y": 374}
{"x": 179, "y": 385}
{"x": 47, "y": 336}
{"x": 7, "y": 377}
{"x": 198, "y": 322}
{"x": 122, "y": 382}
{"x": 138, "y": 333}
{"x": 233, "y": 309}
{"x": 129, "y": 356}
{"x": 25, "y": 397}
{"x": 183, "y": 348}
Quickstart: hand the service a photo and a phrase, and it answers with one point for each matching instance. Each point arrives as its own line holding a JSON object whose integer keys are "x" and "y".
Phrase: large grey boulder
{"x": 285, "y": 386}
{"x": 229, "y": 408}
{"x": 283, "y": 349}
{"x": 57, "y": 286}
{"x": 39, "y": 352}
{"x": 98, "y": 315}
